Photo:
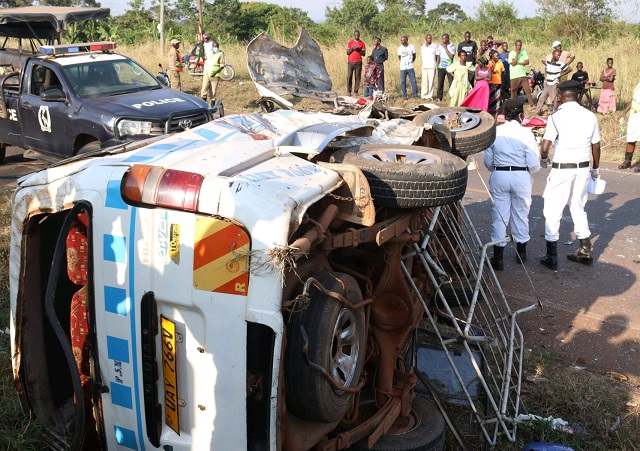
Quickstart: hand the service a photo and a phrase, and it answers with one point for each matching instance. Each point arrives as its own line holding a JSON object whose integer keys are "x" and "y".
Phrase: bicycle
{"x": 196, "y": 68}
{"x": 585, "y": 98}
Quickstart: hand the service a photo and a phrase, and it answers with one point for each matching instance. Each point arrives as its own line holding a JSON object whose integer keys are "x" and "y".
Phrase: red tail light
{"x": 156, "y": 186}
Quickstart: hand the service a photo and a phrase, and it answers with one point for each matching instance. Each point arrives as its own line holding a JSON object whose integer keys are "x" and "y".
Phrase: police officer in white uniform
{"x": 512, "y": 158}
{"x": 576, "y": 136}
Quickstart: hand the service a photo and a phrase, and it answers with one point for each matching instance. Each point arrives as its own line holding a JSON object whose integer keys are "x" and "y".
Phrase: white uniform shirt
{"x": 406, "y": 56}
{"x": 572, "y": 129}
{"x": 429, "y": 55}
{"x": 515, "y": 145}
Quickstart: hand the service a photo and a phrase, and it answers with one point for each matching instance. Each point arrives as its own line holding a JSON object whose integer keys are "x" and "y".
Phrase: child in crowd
{"x": 371, "y": 75}
{"x": 607, "y": 100}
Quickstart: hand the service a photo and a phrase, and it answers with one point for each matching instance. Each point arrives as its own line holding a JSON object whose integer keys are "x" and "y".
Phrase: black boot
{"x": 583, "y": 254}
{"x": 551, "y": 259}
{"x": 497, "y": 261}
{"x": 626, "y": 164}
{"x": 521, "y": 252}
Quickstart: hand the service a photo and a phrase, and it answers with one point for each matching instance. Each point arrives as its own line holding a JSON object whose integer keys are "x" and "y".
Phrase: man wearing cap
{"x": 576, "y": 136}
{"x": 565, "y": 57}
{"x": 175, "y": 65}
{"x": 554, "y": 69}
{"x": 512, "y": 158}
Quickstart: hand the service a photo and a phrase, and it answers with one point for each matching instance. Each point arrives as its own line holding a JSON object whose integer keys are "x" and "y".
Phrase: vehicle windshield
{"x": 104, "y": 78}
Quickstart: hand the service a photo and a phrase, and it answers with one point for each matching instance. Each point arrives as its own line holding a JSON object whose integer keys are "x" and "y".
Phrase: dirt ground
{"x": 591, "y": 314}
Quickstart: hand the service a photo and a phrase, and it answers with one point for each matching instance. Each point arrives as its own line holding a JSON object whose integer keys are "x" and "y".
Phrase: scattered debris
{"x": 568, "y": 243}
{"x": 535, "y": 378}
{"x": 615, "y": 425}
{"x": 618, "y": 376}
{"x": 632, "y": 404}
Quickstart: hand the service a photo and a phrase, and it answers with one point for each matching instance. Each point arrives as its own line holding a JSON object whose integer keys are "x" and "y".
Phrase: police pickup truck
{"x": 62, "y": 100}
{"x": 71, "y": 99}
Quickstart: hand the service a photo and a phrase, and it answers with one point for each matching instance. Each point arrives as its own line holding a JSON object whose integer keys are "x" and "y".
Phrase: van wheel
{"x": 408, "y": 176}
{"x": 334, "y": 338}
{"x": 89, "y": 147}
{"x": 474, "y": 132}
{"x": 424, "y": 431}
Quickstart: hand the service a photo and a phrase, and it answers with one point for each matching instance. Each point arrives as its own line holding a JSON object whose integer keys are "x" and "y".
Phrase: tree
{"x": 278, "y": 21}
{"x": 578, "y": 19}
{"x": 447, "y": 12}
{"x": 353, "y": 14}
{"x": 500, "y": 16}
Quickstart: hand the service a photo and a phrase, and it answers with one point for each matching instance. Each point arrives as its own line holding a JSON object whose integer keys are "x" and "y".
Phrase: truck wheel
{"x": 475, "y": 131}
{"x": 408, "y": 176}
{"x": 425, "y": 431}
{"x": 334, "y": 338}
{"x": 89, "y": 147}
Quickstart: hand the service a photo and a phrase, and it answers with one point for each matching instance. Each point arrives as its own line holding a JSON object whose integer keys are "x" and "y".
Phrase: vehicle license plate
{"x": 170, "y": 375}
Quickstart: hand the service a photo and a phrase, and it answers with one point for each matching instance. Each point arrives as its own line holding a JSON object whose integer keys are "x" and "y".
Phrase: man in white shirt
{"x": 429, "y": 66}
{"x": 554, "y": 69}
{"x": 407, "y": 55}
{"x": 512, "y": 158}
{"x": 576, "y": 136}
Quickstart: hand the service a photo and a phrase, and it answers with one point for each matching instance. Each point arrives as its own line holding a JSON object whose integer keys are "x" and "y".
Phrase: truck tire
{"x": 334, "y": 338}
{"x": 408, "y": 176}
{"x": 426, "y": 433}
{"x": 89, "y": 147}
{"x": 476, "y": 134}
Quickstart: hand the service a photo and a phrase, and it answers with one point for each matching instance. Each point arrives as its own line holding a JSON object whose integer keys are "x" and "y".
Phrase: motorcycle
{"x": 162, "y": 76}
{"x": 194, "y": 62}
{"x": 536, "y": 85}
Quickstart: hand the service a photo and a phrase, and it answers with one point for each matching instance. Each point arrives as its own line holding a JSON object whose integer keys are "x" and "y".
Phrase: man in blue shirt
{"x": 506, "y": 81}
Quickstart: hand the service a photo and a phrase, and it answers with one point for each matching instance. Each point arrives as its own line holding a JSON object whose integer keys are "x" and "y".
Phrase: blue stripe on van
{"x": 118, "y": 349}
{"x": 207, "y": 134}
{"x": 138, "y": 158}
{"x": 125, "y": 437}
{"x": 132, "y": 319}
{"x": 114, "y": 199}
{"x": 121, "y": 395}
{"x": 115, "y": 248}
{"x": 115, "y": 300}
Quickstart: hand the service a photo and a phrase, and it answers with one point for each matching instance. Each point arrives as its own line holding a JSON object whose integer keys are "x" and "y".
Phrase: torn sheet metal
{"x": 298, "y": 71}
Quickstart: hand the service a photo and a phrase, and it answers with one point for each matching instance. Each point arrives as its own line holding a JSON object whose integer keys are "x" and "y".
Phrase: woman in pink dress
{"x": 479, "y": 96}
{"x": 607, "y": 100}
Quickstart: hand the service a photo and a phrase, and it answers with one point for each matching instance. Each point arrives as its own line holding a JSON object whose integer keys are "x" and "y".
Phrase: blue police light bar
{"x": 77, "y": 48}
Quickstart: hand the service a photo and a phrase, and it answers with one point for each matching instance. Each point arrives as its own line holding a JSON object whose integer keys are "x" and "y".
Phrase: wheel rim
{"x": 399, "y": 156}
{"x": 345, "y": 348}
{"x": 458, "y": 122}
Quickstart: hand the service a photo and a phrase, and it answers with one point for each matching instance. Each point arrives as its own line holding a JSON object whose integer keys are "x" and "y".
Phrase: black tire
{"x": 440, "y": 180}
{"x": 227, "y": 73}
{"x": 310, "y": 395}
{"x": 427, "y": 434}
{"x": 89, "y": 147}
{"x": 3, "y": 154}
{"x": 465, "y": 142}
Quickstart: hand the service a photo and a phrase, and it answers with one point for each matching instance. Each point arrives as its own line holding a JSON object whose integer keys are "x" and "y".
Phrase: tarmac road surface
{"x": 591, "y": 314}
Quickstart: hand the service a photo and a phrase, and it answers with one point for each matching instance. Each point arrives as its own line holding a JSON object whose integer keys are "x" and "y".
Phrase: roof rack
{"x": 55, "y": 50}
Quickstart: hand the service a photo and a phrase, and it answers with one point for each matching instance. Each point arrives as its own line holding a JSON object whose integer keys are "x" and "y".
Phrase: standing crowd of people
{"x": 479, "y": 76}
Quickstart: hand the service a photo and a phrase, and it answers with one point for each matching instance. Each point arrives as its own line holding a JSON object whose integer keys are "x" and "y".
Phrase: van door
{"x": 44, "y": 122}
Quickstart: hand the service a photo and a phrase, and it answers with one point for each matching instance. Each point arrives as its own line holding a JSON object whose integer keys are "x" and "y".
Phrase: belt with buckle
{"x": 582, "y": 164}
{"x": 511, "y": 168}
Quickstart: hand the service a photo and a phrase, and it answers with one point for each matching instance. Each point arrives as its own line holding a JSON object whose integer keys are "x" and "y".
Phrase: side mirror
{"x": 53, "y": 95}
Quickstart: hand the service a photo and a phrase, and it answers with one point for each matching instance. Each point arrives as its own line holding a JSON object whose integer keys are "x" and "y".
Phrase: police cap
{"x": 570, "y": 86}
{"x": 511, "y": 106}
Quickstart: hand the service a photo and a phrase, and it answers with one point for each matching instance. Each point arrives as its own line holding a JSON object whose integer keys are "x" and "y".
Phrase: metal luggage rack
{"x": 470, "y": 312}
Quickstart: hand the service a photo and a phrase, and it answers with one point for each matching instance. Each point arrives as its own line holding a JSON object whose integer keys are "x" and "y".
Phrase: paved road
{"x": 15, "y": 166}
{"x": 591, "y": 314}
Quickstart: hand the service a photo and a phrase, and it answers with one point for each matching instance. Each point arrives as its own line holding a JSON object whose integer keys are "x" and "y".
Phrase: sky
{"x": 316, "y": 8}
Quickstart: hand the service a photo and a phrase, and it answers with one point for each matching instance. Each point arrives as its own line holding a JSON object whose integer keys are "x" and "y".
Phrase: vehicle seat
{"x": 99, "y": 75}
{"x": 50, "y": 82}
{"x": 77, "y": 244}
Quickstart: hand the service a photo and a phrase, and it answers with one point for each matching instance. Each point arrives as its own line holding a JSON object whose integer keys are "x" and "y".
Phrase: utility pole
{"x": 200, "y": 25}
{"x": 161, "y": 26}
